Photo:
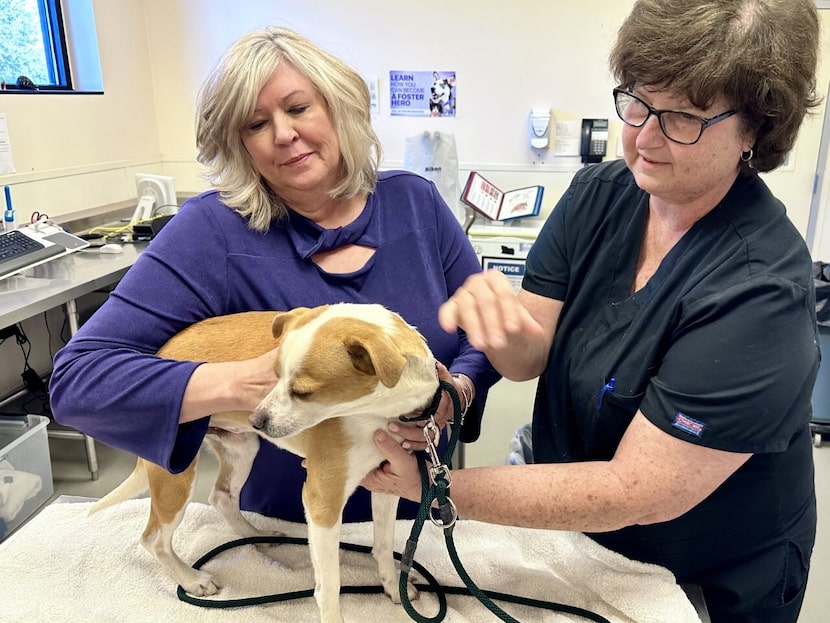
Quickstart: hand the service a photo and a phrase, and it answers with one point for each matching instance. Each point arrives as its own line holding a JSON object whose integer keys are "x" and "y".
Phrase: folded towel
{"x": 15, "y": 488}
{"x": 68, "y": 566}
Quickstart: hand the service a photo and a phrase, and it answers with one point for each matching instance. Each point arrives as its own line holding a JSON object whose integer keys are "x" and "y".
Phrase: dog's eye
{"x": 300, "y": 395}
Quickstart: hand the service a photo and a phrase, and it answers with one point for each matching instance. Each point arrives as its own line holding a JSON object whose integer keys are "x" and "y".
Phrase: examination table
{"x": 65, "y": 565}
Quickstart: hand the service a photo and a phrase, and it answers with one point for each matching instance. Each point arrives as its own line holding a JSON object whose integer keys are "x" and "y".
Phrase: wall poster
{"x": 422, "y": 93}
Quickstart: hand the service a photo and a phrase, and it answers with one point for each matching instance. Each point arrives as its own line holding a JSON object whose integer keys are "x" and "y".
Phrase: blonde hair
{"x": 227, "y": 100}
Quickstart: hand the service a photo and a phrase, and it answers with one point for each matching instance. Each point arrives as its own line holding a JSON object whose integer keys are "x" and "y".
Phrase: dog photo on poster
{"x": 422, "y": 93}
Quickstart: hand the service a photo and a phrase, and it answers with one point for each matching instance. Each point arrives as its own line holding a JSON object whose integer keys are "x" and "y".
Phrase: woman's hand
{"x": 487, "y": 308}
{"x": 398, "y": 474}
{"x": 229, "y": 386}
{"x": 259, "y": 378}
{"x": 412, "y": 433}
{"x": 514, "y": 331}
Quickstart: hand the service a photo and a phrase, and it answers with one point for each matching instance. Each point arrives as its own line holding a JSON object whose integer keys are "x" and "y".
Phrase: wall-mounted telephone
{"x": 594, "y": 140}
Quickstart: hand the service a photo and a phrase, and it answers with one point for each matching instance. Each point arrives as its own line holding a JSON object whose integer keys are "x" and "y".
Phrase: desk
{"x": 60, "y": 282}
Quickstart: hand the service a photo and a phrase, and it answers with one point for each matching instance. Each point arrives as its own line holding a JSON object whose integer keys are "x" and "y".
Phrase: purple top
{"x": 206, "y": 262}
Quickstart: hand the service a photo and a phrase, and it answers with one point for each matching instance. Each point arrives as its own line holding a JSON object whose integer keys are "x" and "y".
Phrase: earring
{"x": 746, "y": 156}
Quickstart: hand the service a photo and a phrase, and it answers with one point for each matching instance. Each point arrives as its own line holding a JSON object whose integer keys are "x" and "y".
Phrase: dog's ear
{"x": 290, "y": 319}
{"x": 374, "y": 353}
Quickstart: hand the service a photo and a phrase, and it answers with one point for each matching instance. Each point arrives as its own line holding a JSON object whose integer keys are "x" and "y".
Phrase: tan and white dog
{"x": 344, "y": 371}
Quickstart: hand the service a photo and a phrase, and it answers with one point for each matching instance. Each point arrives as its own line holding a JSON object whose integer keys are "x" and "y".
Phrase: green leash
{"x": 435, "y": 486}
{"x": 432, "y": 586}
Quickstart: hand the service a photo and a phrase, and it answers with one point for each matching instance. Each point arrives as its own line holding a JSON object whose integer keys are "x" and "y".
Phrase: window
{"x": 34, "y": 45}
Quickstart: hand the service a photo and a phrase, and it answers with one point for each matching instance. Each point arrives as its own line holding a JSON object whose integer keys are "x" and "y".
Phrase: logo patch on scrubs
{"x": 687, "y": 424}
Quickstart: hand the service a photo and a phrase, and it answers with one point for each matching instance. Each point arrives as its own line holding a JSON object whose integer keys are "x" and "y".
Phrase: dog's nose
{"x": 257, "y": 419}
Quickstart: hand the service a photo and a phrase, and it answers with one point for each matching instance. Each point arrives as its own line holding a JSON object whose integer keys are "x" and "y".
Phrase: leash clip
{"x": 441, "y": 472}
{"x": 432, "y": 434}
{"x": 441, "y": 478}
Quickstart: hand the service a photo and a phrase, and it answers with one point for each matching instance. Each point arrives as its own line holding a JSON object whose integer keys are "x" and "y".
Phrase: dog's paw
{"x": 392, "y": 588}
{"x": 201, "y": 585}
{"x": 411, "y": 592}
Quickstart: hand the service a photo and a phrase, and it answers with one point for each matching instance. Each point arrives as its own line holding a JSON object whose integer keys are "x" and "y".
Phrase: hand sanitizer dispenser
{"x": 539, "y": 127}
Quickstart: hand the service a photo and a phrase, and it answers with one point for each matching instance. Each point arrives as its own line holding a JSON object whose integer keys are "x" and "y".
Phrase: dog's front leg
{"x": 324, "y": 496}
{"x": 384, "y": 507}
{"x": 324, "y": 545}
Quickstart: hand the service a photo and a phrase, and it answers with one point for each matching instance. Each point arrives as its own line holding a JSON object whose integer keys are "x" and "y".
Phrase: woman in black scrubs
{"x": 668, "y": 311}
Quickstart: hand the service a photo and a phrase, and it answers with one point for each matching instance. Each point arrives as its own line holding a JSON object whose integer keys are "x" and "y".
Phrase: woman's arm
{"x": 653, "y": 477}
{"x": 108, "y": 381}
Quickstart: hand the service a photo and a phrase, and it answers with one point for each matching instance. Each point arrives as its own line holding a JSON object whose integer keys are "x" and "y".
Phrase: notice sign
{"x": 514, "y": 270}
{"x": 422, "y": 93}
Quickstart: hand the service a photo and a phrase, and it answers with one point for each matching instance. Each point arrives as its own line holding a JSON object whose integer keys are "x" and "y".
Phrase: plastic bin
{"x": 25, "y": 469}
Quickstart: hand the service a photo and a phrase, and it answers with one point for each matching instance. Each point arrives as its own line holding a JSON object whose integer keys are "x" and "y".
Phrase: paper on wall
{"x": 6, "y": 161}
{"x": 568, "y": 134}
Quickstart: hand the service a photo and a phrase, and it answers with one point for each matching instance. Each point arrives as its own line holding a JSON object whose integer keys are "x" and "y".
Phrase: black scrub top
{"x": 719, "y": 348}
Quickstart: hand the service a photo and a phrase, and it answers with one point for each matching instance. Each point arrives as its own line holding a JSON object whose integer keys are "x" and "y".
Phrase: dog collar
{"x": 428, "y": 412}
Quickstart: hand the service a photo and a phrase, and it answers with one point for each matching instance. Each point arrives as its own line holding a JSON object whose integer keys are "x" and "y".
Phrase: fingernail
{"x": 394, "y": 427}
{"x": 406, "y": 445}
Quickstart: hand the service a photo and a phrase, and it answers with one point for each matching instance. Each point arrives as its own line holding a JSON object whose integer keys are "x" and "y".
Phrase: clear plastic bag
{"x": 521, "y": 447}
{"x": 433, "y": 155}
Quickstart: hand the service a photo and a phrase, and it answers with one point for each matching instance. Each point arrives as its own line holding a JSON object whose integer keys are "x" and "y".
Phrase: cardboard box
{"x": 25, "y": 469}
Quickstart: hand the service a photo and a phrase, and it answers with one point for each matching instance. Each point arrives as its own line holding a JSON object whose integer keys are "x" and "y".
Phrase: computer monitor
{"x": 154, "y": 193}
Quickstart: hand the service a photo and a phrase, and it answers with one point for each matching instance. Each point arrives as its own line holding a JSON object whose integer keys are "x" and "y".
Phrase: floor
{"x": 72, "y": 478}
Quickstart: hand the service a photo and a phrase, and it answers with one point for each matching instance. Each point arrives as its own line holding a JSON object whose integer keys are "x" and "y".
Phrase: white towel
{"x": 15, "y": 488}
{"x": 68, "y": 566}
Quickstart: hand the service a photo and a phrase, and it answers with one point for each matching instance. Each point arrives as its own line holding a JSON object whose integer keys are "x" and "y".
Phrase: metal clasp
{"x": 439, "y": 471}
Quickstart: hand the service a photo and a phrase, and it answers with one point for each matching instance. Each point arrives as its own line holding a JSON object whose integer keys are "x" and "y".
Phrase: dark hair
{"x": 761, "y": 55}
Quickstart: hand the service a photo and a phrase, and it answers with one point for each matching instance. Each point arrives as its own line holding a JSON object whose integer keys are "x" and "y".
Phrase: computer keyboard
{"x": 18, "y": 251}
{"x": 13, "y": 243}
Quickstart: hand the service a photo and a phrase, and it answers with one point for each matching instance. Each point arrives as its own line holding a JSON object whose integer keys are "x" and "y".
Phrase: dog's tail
{"x": 135, "y": 484}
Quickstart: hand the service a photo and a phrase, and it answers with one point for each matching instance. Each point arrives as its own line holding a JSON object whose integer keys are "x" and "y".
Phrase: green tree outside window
{"x": 31, "y": 43}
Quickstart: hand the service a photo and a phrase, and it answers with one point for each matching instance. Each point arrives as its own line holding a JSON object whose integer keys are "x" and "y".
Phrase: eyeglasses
{"x": 680, "y": 127}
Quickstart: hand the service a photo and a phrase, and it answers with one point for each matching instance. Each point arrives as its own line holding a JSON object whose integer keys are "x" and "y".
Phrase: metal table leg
{"x": 89, "y": 442}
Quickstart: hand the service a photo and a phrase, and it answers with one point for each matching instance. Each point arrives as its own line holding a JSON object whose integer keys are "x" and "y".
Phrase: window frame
{"x": 53, "y": 35}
